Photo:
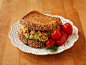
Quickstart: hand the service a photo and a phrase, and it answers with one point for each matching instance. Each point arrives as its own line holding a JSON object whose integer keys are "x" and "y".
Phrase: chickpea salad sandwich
{"x": 41, "y": 31}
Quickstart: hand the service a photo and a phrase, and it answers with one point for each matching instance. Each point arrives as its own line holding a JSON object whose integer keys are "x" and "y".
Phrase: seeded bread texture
{"x": 37, "y": 21}
{"x": 31, "y": 43}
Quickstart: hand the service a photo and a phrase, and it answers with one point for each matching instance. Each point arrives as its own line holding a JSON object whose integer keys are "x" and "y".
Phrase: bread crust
{"x": 37, "y": 21}
{"x": 31, "y": 43}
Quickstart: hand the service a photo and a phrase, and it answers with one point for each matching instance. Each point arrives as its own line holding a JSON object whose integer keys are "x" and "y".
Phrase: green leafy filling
{"x": 52, "y": 49}
{"x": 39, "y": 41}
{"x": 23, "y": 35}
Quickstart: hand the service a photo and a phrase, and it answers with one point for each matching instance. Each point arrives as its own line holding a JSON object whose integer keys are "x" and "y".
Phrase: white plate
{"x": 68, "y": 44}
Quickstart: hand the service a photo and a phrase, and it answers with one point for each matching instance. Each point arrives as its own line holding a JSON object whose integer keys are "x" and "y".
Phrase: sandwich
{"x": 36, "y": 28}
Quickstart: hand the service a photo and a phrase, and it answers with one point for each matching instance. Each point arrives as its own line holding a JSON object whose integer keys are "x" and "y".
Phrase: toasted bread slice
{"x": 31, "y": 43}
{"x": 37, "y": 21}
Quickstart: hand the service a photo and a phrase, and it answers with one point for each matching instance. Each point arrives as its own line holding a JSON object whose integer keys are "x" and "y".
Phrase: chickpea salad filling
{"x": 39, "y": 36}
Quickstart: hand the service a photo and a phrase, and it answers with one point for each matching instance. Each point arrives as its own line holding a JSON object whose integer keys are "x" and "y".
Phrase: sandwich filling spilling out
{"x": 36, "y": 35}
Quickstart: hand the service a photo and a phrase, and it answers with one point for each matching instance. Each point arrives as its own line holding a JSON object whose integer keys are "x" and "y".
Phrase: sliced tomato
{"x": 63, "y": 33}
{"x": 61, "y": 40}
{"x": 61, "y": 25}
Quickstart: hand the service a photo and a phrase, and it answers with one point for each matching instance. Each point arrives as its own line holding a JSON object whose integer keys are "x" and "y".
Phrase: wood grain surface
{"x": 12, "y": 10}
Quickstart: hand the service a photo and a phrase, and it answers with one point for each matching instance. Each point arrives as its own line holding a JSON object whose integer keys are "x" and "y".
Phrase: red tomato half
{"x": 63, "y": 33}
{"x": 67, "y": 27}
{"x": 61, "y": 40}
{"x": 61, "y": 25}
{"x": 55, "y": 34}
{"x": 50, "y": 43}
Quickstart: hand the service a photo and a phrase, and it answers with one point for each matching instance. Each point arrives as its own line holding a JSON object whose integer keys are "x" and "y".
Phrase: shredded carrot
{"x": 41, "y": 37}
{"x": 33, "y": 37}
{"x": 33, "y": 33}
{"x": 41, "y": 34}
{"x": 21, "y": 32}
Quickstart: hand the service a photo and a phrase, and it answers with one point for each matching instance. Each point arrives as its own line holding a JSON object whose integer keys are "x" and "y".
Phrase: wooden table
{"x": 12, "y": 10}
